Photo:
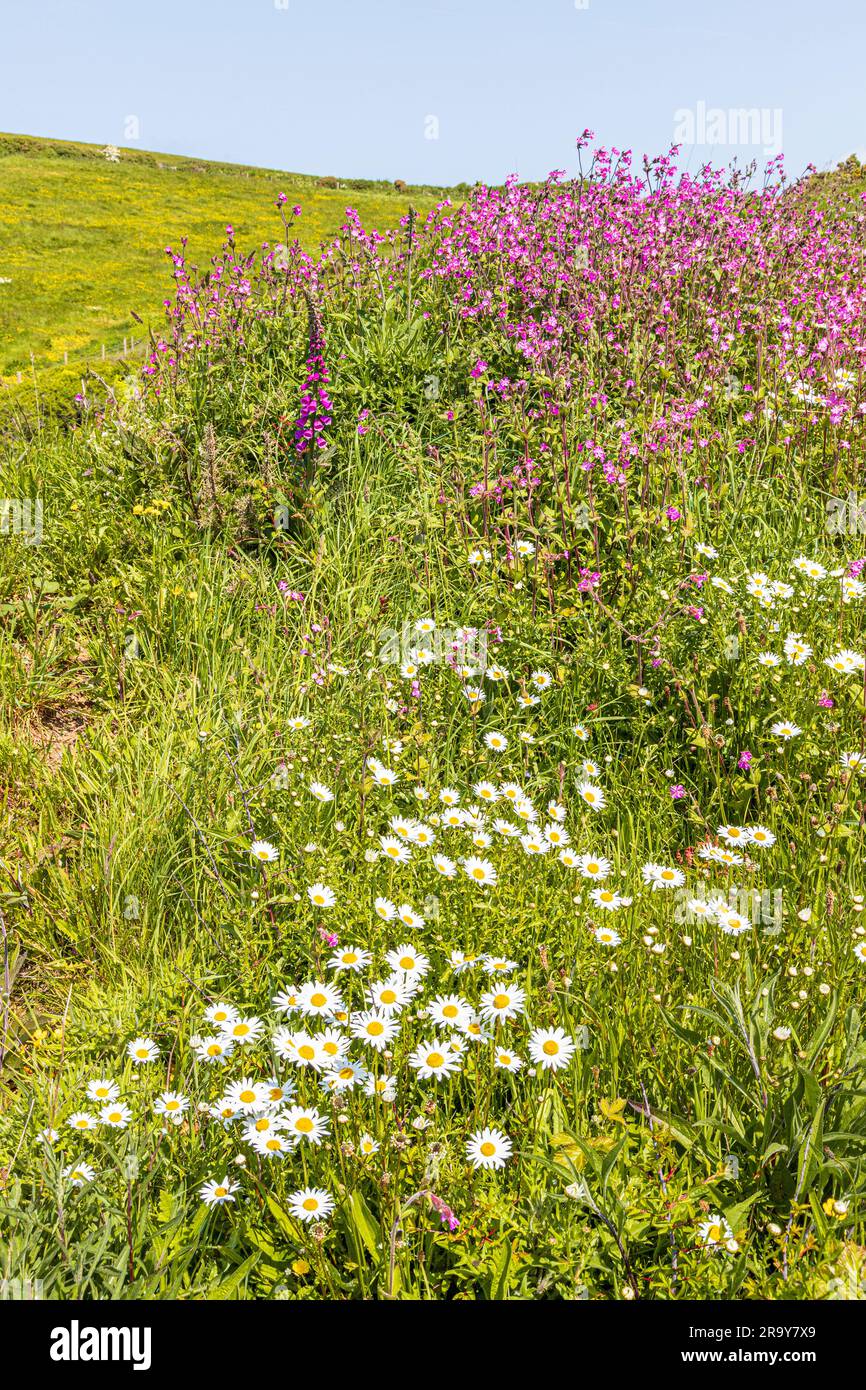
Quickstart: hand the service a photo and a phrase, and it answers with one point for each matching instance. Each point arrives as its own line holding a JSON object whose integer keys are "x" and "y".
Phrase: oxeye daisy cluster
{"x": 345, "y": 1057}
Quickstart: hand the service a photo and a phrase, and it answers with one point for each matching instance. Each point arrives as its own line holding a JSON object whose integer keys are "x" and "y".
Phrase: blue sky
{"x": 439, "y": 91}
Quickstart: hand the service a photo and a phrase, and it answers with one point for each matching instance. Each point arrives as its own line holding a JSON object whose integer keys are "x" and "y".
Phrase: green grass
{"x": 128, "y": 901}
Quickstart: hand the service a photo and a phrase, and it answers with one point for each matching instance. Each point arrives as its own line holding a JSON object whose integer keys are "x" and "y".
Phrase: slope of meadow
{"x": 433, "y": 743}
{"x": 82, "y": 237}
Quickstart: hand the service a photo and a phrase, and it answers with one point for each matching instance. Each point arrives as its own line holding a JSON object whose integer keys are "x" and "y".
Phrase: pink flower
{"x": 446, "y": 1215}
{"x": 589, "y": 579}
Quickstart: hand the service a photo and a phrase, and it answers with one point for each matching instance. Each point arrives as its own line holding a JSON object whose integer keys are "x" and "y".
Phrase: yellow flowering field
{"x": 82, "y": 237}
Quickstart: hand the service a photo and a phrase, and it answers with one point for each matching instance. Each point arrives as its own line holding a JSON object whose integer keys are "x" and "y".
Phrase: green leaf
{"x": 286, "y": 1224}
{"x": 823, "y": 1032}
{"x": 736, "y": 1213}
{"x": 811, "y": 1089}
{"x": 678, "y": 1129}
{"x": 810, "y": 1151}
{"x": 502, "y": 1272}
{"x": 230, "y": 1286}
{"x": 364, "y": 1223}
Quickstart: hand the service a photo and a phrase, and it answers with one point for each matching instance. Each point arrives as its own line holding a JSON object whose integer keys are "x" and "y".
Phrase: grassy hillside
{"x": 433, "y": 770}
{"x": 82, "y": 239}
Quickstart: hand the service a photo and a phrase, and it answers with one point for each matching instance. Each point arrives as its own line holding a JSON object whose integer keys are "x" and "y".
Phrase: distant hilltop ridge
{"x": 36, "y": 146}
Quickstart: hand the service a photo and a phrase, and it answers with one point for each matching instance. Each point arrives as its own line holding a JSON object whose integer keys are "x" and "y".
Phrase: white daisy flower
{"x": 488, "y": 1148}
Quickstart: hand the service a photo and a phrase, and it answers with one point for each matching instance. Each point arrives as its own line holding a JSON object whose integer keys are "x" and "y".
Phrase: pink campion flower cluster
{"x": 694, "y": 260}
{"x": 293, "y": 595}
{"x": 522, "y": 478}
{"x": 624, "y": 315}
{"x": 589, "y": 580}
{"x": 207, "y": 308}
